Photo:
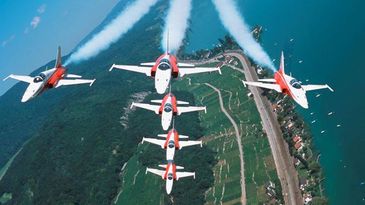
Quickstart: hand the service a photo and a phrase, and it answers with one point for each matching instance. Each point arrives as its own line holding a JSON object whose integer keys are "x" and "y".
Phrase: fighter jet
{"x": 168, "y": 108}
{"x": 165, "y": 68}
{"x": 172, "y": 143}
{"x": 288, "y": 85}
{"x": 52, "y": 78}
{"x": 170, "y": 174}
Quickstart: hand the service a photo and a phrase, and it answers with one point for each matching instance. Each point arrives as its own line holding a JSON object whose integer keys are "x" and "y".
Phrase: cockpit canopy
{"x": 169, "y": 176}
{"x": 171, "y": 144}
{"x": 39, "y": 78}
{"x": 168, "y": 107}
{"x": 295, "y": 83}
{"x": 164, "y": 64}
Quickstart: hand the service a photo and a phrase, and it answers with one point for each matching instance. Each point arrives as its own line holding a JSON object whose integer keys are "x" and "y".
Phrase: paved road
{"x": 284, "y": 163}
{"x": 239, "y": 142}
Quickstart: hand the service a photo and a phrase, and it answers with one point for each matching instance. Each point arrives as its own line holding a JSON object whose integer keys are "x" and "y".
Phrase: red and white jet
{"x": 165, "y": 68}
{"x": 170, "y": 174}
{"x": 172, "y": 143}
{"x": 168, "y": 108}
{"x": 52, "y": 78}
{"x": 288, "y": 85}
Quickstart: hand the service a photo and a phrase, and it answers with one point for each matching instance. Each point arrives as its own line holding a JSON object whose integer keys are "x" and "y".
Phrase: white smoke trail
{"x": 113, "y": 31}
{"x": 235, "y": 24}
{"x": 176, "y": 23}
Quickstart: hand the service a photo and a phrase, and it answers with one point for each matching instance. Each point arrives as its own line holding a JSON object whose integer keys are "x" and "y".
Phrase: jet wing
{"x": 156, "y": 171}
{"x": 316, "y": 87}
{"x": 154, "y": 108}
{"x": 138, "y": 69}
{"x": 186, "y": 71}
{"x": 181, "y": 110}
{"x": 74, "y": 82}
{"x": 155, "y": 141}
{"x": 22, "y": 78}
{"x": 189, "y": 143}
{"x": 184, "y": 174}
{"x": 264, "y": 85}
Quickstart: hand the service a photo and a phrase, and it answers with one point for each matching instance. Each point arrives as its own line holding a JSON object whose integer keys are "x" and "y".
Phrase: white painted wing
{"x": 181, "y": 110}
{"x": 22, "y": 78}
{"x": 154, "y": 108}
{"x": 154, "y": 141}
{"x": 74, "y": 82}
{"x": 189, "y": 143}
{"x": 316, "y": 87}
{"x": 156, "y": 171}
{"x": 138, "y": 69}
{"x": 184, "y": 174}
{"x": 264, "y": 85}
{"x": 187, "y": 71}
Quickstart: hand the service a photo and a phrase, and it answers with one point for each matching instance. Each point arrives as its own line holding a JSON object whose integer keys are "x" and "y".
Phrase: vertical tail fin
{"x": 58, "y": 58}
{"x": 281, "y": 68}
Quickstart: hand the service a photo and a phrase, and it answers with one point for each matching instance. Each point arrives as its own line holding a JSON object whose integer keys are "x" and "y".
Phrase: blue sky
{"x": 30, "y": 31}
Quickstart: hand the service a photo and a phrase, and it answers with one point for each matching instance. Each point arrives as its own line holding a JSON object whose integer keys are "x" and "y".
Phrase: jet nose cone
{"x": 168, "y": 186}
{"x": 25, "y": 98}
{"x": 161, "y": 89}
{"x": 165, "y": 126}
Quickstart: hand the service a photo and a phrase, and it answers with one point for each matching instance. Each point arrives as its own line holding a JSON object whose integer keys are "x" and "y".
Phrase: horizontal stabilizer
{"x": 163, "y": 165}
{"x": 182, "y": 102}
{"x": 267, "y": 80}
{"x": 162, "y": 135}
{"x": 73, "y": 76}
{"x": 183, "y": 137}
{"x": 156, "y": 101}
{"x": 179, "y": 167}
{"x": 148, "y": 64}
{"x": 185, "y": 65}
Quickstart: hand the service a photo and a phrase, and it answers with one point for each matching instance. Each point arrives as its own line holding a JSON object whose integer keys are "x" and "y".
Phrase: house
{"x": 298, "y": 146}
{"x": 297, "y": 138}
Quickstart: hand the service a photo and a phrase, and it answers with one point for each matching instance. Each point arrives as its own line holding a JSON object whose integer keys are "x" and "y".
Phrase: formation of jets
{"x": 165, "y": 68}
{"x": 52, "y": 78}
{"x": 288, "y": 85}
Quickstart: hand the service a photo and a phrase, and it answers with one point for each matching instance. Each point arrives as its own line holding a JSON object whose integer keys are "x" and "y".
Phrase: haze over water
{"x": 327, "y": 37}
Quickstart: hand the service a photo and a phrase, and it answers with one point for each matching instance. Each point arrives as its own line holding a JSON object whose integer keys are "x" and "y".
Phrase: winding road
{"x": 239, "y": 142}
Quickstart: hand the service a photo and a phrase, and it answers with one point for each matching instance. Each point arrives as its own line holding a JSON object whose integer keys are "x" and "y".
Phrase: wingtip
{"x": 92, "y": 82}
{"x": 111, "y": 68}
{"x": 6, "y": 78}
{"x": 219, "y": 70}
{"x": 132, "y": 105}
{"x": 205, "y": 110}
{"x": 330, "y": 88}
{"x": 244, "y": 83}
